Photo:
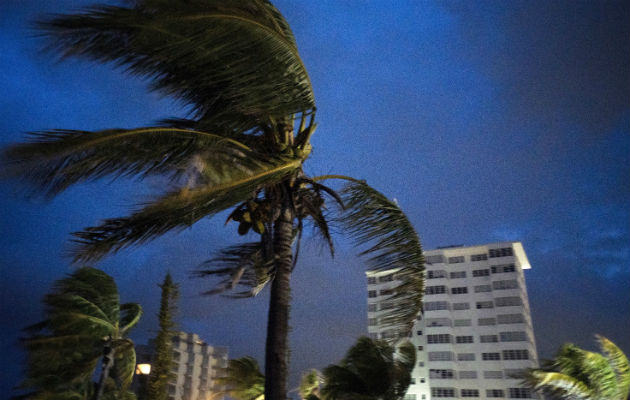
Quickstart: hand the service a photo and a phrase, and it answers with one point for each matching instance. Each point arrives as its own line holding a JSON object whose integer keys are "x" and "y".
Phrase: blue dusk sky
{"x": 487, "y": 120}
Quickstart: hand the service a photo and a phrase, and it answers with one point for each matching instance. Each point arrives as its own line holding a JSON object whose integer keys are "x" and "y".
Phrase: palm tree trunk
{"x": 277, "y": 347}
{"x": 108, "y": 362}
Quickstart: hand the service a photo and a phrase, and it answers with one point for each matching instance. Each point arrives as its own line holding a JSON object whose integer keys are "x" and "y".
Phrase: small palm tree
{"x": 310, "y": 383}
{"x": 372, "y": 370}
{"x": 577, "y": 374}
{"x": 85, "y": 324}
{"x": 237, "y": 67}
{"x": 242, "y": 379}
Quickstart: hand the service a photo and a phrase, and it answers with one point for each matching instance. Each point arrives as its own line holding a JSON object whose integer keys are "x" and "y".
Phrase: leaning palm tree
{"x": 372, "y": 370}
{"x": 577, "y": 374}
{"x": 236, "y": 66}
{"x": 242, "y": 380}
{"x": 85, "y": 323}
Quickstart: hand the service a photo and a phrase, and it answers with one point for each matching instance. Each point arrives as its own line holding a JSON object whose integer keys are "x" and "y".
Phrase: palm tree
{"x": 236, "y": 65}
{"x": 242, "y": 380}
{"x": 309, "y": 388}
{"x": 85, "y": 323}
{"x": 371, "y": 370}
{"x": 577, "y": 374}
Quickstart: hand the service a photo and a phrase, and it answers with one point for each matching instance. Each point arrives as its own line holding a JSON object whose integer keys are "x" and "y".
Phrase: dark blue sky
{"x": 487, "y": 121}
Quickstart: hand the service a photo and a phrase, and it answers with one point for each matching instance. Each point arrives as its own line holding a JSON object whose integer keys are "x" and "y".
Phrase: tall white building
{"x": 196, "y": 364}
{"x": 476, "y": 331}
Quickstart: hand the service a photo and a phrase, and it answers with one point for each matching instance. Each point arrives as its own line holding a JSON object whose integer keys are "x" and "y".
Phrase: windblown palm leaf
{"x": 235, "y": 62}
{"x": 379, "y": 223}
{"x": 310, "y": 385}
{"x": 371, "y": 370}
{"x": 52, "y": 161}
{"x": 64, "y": 350}
{"x": 243, "y": 380}
{"x": 577, "y": 374}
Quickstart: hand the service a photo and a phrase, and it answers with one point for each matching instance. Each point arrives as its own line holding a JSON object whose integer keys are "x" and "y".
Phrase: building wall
{"x": 196, "y": 365}
{"x": 476, "y": 330}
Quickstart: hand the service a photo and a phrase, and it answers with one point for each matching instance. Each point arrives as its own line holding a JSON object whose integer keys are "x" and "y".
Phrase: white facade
{"x": 195, "y": 366}
{"x": 476, "y": 331}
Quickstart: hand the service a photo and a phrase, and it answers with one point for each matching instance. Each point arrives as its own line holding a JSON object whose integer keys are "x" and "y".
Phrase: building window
{"x": 440, "y": 289}
{"x": 372, "y": 321}
{"x": 372, "y": 307}
{"x": 492, "y": 393}
{"x": 457, "y": 275}
{"x": 456, "y": 260}
{"x": 441, "y": 356}
{"x": 515, "y": 355}
{"x": 463, "y": 339}
{"x": 466, "y": 357}
{"x": 437, "y": 339}
{"x": 498, "y": 269}
{"x": 479, "y": 257}
{"x": 371, "y": 293}
{"x": 508, "y": 301}
{"x": 442, "y": 392}
{"x": 485, "y": 304}
{"x": 421, "y": 364}
{"x": 422, "y": 379}
{"x": 419, "y": 333}
{"x": 436, "y": 259}
{"x": 469, "y": 393}
{"x": 481, "y": 272}
{"x": 514, "y": 373}
{"x": 371, "y": 280}
{"x": 493, "y": 374}
{"x": 467, "y": 374}
{"x": 459, "y": 290}
{"x": 436, "y": 322}
{"x": 486, "y": 321}
{"x": 420, "y": 348}
{"x": 413, "y": 381}
{"x": 515, "y": 336}
{"x": 441, "y": 374}
{"x": 386, "y": 278}
{"x": 463, "y": 322}
{"x": 501, "y": 285}
{"x": 490, "y": 356}
{"x": 488, "y": 339}
{"x": 510, "y": 318}
{"x": 483, "y": 288}
{"x": 519, "y": 393}
{"x": 503, "y": 252}
{"x": 387, "y": 292}
{"x": 436, "y": 305}
{"x": 461, "y": 306}
{"x": 436, "y": 274}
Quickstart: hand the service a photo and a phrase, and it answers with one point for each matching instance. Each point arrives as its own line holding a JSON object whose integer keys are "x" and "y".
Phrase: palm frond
{"x": 235, "y": 62}
{"x": 242, "y": 265}
{"x": 558, "y": 384}
{"x": 619, "y": 363}
{"x": 179, "y": 209}
{"x": 124, "y": 362}
{"x": 130, "y": 315}
{"x": 52, "y": 161}
{"x": 377, "y": 222}
{"x": 242, "y": 379}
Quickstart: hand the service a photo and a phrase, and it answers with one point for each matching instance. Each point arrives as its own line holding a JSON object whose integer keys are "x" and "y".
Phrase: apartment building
{"x": 196, "y": 364}
{"x": 476, "y": 332}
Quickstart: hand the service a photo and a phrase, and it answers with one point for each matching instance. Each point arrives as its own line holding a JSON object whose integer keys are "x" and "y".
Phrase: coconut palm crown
{"x": 577, "y": 374}
{"x": 236, "y": 66}
{"x": 85, "y": 323}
